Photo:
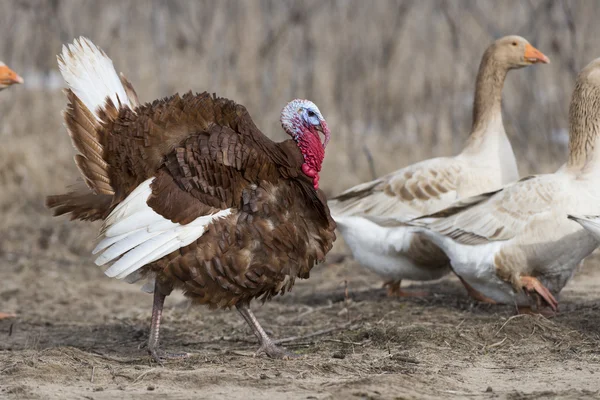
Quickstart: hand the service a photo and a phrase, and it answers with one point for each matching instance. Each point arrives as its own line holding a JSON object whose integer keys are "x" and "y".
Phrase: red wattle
{"x": 311, "y": 147}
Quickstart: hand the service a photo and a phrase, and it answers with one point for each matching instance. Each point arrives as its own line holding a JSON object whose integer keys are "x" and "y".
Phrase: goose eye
{"x": 514, "y": 43}
{"x": 311, "y": 113}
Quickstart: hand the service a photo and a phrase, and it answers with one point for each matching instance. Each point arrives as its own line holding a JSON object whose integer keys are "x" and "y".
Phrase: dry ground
{"x": 77, "y": 335}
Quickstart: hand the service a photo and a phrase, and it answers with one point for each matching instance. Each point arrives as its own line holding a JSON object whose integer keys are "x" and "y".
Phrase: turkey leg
{"x": 153, "y": 347}
{"x": 266, "y": 344}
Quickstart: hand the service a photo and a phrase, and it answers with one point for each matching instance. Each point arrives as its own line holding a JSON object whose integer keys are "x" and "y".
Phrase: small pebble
{"x": 150, "y": 388}
{"x": 489, "y": 389}
{"x": 339, "y": 354}
{"x": 263, "y": 376}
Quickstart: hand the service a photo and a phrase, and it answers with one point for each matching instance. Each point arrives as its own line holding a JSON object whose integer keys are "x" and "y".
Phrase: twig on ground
{"x": 93, "y": 371}
{"x": 312, "y": 310}
{"x": 507, "y": 321}
{"x": 344, "y": 342}
{"x": 142, "y": 375}
{"x": 456, "y": 392}
{"x": 313, "y": 334}
{"x": 109, "y": 358}
{"x": 497, "y": 343}
{"x": 346, "y": 298}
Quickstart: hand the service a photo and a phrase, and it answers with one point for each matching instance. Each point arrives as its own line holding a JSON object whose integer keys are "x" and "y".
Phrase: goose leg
{"x": 394, "y": 290}
{"x": 266, "y": 343}
{"x": 476, "y": 294}
{"x": 153, "y": 345}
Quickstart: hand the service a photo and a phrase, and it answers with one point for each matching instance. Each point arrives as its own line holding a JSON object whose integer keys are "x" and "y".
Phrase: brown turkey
{"x": 193, "y": 196}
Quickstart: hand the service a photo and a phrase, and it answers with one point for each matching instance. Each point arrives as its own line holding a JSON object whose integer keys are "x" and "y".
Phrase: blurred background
{"x": 394, "y": 79}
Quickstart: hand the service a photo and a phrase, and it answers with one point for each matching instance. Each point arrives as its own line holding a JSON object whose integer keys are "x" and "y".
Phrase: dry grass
{"x": 395, "y": 77}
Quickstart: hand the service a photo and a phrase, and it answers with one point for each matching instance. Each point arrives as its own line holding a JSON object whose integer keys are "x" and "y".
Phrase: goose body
{"x": 520, "y": 237}
{"x": 486, "y": 163}
{"x": 520, "y": 231}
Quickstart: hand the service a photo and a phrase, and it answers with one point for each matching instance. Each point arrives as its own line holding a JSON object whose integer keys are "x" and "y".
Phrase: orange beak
{"x": 534, "y": 56}
{"x": 9, "y": 77}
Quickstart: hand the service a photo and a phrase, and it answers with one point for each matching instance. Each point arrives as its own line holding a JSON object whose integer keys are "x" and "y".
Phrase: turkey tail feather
{"x": 95, "y": 95}
{"x": 92, "y": 77}
{"x": 81, "y": 204}
{"x": 84, "y": 131}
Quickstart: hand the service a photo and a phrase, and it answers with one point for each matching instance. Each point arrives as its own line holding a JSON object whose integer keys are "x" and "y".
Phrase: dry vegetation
{"x": 394, "y": 80}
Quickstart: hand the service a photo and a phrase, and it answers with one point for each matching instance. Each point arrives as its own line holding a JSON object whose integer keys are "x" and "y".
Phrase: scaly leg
{"x": 153, "y": 347}
{"x": 532, "y": 285}
{"x": 394, "y": 290}
{"x": 475, "y": 294}
{"x": 266, "y": 344}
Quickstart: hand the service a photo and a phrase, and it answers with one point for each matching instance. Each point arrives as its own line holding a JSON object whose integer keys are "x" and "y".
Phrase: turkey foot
{"x": 159, "y": 356}
{"x": 476, "y": 294}
{"x": 394, "y": 290}
{"x": 266, "y": 344}
{"x": 532, "y": 285}
{"x": 273, "y": 351}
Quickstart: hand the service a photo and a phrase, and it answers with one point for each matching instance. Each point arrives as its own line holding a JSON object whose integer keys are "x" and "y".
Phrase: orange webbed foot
{"x": 532, "y": 285}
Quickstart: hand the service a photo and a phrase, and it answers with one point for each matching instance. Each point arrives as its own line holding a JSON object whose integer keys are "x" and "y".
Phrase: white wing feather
{"x": 590, "y": 223}
{"x": 135, "y": 235}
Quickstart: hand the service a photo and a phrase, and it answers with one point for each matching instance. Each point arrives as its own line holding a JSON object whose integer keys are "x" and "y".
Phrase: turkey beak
{"x": 534, "y": 56}
{"x": 322, "y": 127}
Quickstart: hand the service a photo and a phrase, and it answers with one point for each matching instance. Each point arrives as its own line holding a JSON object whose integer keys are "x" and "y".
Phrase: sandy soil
{"x": 78, "y": 335}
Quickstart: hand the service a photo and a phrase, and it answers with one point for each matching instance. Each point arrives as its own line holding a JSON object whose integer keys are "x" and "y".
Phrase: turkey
{"x": 8, "y": 77}
{"x": 193, "y": 196}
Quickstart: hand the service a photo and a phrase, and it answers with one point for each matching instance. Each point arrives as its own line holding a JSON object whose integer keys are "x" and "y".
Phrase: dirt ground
{"x": 78, "y": 335}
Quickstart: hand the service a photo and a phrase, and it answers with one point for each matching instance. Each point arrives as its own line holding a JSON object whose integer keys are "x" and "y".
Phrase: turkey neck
{"x": 488, "y": 128}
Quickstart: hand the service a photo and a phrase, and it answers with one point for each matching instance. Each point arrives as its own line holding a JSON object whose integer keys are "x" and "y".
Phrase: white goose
{"x": 520, "y": 237}
{"x": 486, "y": 163}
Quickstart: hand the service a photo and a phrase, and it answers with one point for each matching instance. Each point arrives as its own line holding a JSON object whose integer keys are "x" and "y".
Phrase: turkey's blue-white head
{"x": 303, "y": 121}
